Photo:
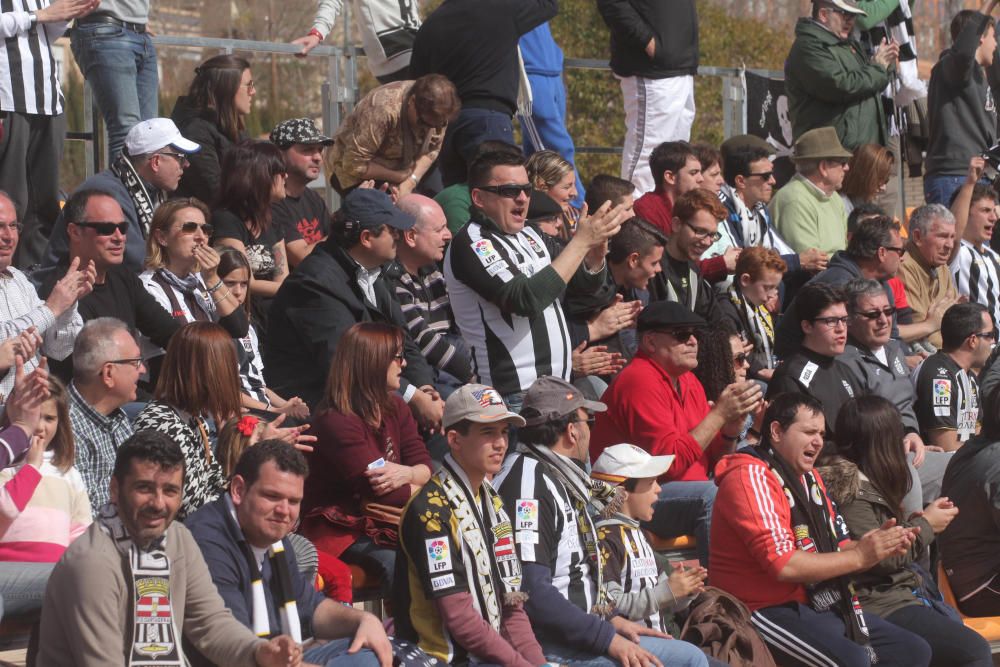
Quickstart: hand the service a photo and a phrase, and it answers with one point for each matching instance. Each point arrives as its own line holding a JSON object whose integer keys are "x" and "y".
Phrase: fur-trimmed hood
{"x": 842, "y": 479}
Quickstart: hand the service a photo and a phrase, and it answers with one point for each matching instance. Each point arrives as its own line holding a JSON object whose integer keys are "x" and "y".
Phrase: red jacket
{"x": 751, "y": 536}
{"x": 656, "y": 209}
{"x": 645, "y": 410}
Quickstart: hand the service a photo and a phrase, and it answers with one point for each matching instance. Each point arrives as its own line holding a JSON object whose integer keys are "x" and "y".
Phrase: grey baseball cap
{"x": 553, "y": 398}
{"x": 477, "y": 403}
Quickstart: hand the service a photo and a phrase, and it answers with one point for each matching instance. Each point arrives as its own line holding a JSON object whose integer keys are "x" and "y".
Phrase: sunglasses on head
{"x": 105, "y": 228}
{"x": 190, "y": 227}
{"x": 507, "y": 191}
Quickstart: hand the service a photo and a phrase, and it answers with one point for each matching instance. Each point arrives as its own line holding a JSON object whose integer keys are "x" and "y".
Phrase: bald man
{"x": 421, "y": 291}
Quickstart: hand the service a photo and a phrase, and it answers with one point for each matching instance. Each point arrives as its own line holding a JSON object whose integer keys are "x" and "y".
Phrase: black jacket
{"x": 315, "y": 305}
{"x": 201, "y": 178}
{"x": 474, "y": 44}
{"x": 680, "y": 281}
{"x": 672, "y": 23}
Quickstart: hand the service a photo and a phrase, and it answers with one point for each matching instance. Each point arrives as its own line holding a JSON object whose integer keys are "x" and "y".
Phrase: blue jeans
{"x": 22, "y": 588}
{"x": 373, "y": 558}
{"x": 120, "y": 66}
{"x": 940, "y": 188}
{"x": 334, "y": 652}
{"x": 671, "y": 652}
{"x": 685, "y": 508}
{"x": 461, "y": 141}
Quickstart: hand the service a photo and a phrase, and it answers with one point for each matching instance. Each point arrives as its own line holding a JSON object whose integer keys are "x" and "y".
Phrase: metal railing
{"x": 340, "y": 87}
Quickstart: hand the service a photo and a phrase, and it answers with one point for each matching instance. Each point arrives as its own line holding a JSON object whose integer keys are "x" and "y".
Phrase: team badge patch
{"x": 438, "y": 554}
{"x": 527, "y": 514}
{"x": 444, "y": 581}
{"x": 485, "y": 251}
{"x": 942, "y": 392}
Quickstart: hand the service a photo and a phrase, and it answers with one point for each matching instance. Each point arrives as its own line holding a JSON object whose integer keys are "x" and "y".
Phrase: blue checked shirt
{"x": 97, "y": 439}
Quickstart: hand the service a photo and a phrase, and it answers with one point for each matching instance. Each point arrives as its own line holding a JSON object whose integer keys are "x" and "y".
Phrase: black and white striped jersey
{"x": 630, "y": 561}
{"x": 549, "y": 527}
{"x": 29, "y": 70}
{"x": 977, "y": 276}
{"x": 517, "y": 330}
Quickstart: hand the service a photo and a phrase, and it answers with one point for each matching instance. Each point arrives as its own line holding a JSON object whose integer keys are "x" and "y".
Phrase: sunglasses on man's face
{"x": 105, "y": 228}
{"x": 507, "y": 191}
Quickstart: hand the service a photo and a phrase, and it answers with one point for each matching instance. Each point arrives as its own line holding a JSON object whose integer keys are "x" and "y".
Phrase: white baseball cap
{"x": 149, "y": 136}
{"x": 618, "y": 463}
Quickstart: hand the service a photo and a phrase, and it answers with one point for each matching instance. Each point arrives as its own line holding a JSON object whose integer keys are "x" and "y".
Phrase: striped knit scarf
{"x": 288, "y": 611}
{"x": 606, "y": 498}
{"x": 153, "y": 639}
{"x": 898, "y": 27}
{"x": 493, "y": 566}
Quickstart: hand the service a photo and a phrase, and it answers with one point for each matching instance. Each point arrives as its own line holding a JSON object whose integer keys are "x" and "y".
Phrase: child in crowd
{"x": 235, "y": 436}
{"x": 640, "y": 586}
{"x": 234, "y": 270}
{"x": 43, "y": 508}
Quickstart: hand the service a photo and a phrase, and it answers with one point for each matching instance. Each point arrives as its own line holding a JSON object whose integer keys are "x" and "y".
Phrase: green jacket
{"x": 888, "y": 586}
{"x": 830, "y": 82}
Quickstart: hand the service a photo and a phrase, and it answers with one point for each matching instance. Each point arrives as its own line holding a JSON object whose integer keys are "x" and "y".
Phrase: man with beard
{"x": 302, "y": 215}
{"x": 243, "y": 537}
{"x": 135, "y": 581}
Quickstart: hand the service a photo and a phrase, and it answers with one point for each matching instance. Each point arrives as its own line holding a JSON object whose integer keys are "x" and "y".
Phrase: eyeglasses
{"x": 703, "y": 233}
{"x": 507, "y": 191}
{"x": 398, "y": 357}
{"x": 180, "y": 157}
{"x": 190, "y": 227}
{"x": 888, "y": 311}
{"x": 105, "y": 228}
{"x": 989, "y": 335}
{"x": 12, "y": 226}
{"x": 740, "y": 359}
{"x": 763, "y": 175}
{"x": 250, "y": 85}
{"x": 135, "y": 362}
{"x": 843, "y": 12}
{"x": 898, "y": 250}
{"x": 832, "y": 322}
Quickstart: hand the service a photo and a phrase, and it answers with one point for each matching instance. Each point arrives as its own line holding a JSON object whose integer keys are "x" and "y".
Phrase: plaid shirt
{"x": 97, "y": 439}
{"x": 427, "y": 309}
{"x": 21, "y": 308}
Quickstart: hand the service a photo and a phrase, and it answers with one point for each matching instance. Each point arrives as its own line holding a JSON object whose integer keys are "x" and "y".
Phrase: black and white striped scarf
{"x": 153, "y": 638}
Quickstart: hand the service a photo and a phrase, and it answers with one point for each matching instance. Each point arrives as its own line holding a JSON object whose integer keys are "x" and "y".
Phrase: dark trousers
{"x": 952, "y": 644}
{"x": 798, "y": 636}
{"x": 30, "y": 152}
{"x": 984, "y": 603}
{"x": 472, "y": 127}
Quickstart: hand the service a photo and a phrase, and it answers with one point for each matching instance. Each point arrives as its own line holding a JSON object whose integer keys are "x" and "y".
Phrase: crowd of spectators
{"x": 486, "y": 382}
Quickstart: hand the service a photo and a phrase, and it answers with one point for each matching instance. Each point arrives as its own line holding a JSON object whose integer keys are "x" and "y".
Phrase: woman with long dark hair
{"x": 253, "y": 178}
{"x": 213, "y": 113}
{"x": 369, "y": 457}
{"x": 868, "y": 481}
{"x": 199, "y": 387}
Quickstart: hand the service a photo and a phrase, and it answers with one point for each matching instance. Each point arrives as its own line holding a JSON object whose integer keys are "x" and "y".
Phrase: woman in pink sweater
{"x": 43, "y": 507}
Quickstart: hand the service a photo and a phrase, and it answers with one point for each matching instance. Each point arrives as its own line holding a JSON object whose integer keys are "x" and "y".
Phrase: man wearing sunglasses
{"x": 694, "y": 228}
{"x": 947, "y": 393}
{"x": 830, "y": 79}
{"x": 879, "y": 365}
{"x": 814, "y": 368}
{"x": 875, "y": 251}
{"x": 144, "y": 174}
{"x": 506, "y": 283}
{"x": 98, "y": 233}
{"x": 657, "y": 404}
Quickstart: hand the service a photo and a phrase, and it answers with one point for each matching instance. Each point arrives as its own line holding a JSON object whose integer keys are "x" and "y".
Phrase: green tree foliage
{"x": 594, "y": 104}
